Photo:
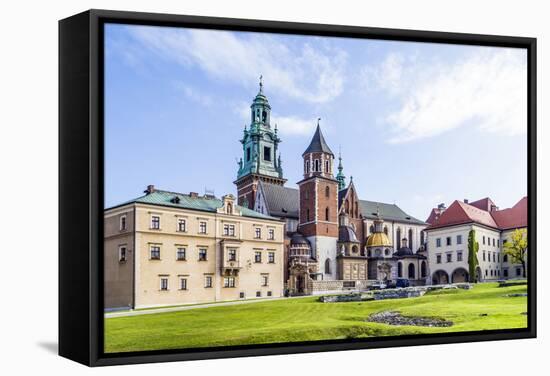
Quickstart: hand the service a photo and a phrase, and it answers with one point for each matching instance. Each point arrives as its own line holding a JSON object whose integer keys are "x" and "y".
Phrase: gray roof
{"x": 388, "y": 212}
{"x": 318, "y": 143}
{"x": 281, "y": 201}
{"x": 347, "y": 235}
{"x": 278, "y": 198}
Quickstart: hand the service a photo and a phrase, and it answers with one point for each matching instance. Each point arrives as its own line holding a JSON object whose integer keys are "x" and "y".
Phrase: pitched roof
{"x": 208, "y": 204}
{"x": 388, "y": 212}
{"x": 281, "y": 201}
{"x": 513, "y": 217}
{"x": 483, "y": 204}
{"x": 461, "y": 213}
{"x": 318, "y": 143}
{"x": 434, "y": 214}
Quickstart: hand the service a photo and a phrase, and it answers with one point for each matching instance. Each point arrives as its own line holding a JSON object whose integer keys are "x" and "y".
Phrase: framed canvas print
{"x": 236, "y": 187}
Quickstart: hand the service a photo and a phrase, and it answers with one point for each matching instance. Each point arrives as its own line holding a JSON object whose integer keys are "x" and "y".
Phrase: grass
{"x": 306, "y": 319}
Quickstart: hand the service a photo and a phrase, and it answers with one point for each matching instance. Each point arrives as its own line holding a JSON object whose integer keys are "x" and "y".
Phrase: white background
{"x": 28, "y": 185}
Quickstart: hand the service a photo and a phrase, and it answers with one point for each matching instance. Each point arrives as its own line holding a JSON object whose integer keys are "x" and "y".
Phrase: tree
{"x": 473, "y": 262}
{"x": 516, "y": 248}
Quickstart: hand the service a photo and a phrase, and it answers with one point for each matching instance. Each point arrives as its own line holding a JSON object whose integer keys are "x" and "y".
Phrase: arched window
{"x": 347, "y": 207}
{"x": 327, "y": 266}
{"x": 400, "y": 269}
{"x": 369, "y": 254}
{"x": 386, "y": 230}
{"x": 387, "y": 252}
{"x": 398, "y": 238}
{"x": 423, "y": 270}
{"x": 410, "y": 238}
{"x": 422, "y": 238}
{"x": 411, "y": 271}
{"x": 371, "y": 229}
{"x": 327, "y": 191}
{"x": 307, "y": 215}
{"x": 326, "y": 167}
{"x": 356, "y": 209}
{"x": 354, "y": 249}
{"x": 317, "y": 165}
{"x": 326, "y": 214}
{"x": 229, "y": 208}
{"x": 264, "y": 116}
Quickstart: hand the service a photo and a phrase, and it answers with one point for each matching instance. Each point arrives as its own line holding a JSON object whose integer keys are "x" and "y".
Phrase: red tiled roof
{"x": 435, "y": 213}
{"x": 461, "y": 213}
{"x": 514, "y": 217}
{"x": 483, "y": 204}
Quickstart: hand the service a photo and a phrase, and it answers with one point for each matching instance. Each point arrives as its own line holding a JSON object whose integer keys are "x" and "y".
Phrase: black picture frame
{"x": 81, "y": 169}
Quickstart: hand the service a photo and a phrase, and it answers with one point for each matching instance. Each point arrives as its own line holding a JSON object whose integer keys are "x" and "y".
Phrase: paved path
{"x": 192, "y": 306}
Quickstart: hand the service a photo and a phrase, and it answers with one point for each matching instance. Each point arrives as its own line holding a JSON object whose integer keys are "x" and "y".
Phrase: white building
{"x": 447, "y": 242}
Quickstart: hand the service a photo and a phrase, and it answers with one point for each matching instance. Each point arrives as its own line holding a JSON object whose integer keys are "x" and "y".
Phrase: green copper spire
{"x": 340, "y": 177}
{"x": 260, "y": 141}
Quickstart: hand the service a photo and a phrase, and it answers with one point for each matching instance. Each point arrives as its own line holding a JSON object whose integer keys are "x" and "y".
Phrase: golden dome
{"x": 378, "y": 239}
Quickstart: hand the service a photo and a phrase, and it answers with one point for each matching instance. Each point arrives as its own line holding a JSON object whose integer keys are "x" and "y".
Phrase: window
{"x": 258, "y": 233}
{"x": 326, "y": 214}
{"x": 208, "y": 281}
{"x": 257, "y": 256}
{"x": 459, "y": 239}
{"x": 505, "y": 258}
{"x": 483, "y": 255}
{"x": 267, "y": 153}
{"x": 316, "y": 169}
{"x": 164, "y": 283}
{"x": 258, "y": 294}
{"x": 498, "y": 257}
{"x": 306, "y": 194}
{"x": 326, "y": 166}
{"x": 518, "y": 272}
{"x": 449, "y": 257}
{"x": 155, "y": 222}
{"x": 412, "y": 272}
{"x": 448, "y": 240}
{"x": 265, "y": 280}
{"x": 202, "y": 227}
{"x": 155, "y": 252}
{"x": 202, "y": 254}
{"x": 494, "y": 257}
{"x": 327, "y": 266}
{"x": 307, "y": 214}
{"x": 182, "y": 225}
{"x": 180, "y": 254}
{"x": 438, "y": 259}
{"x": 229, "y": 282}
{"x": 400, "y": 270}
{"x": 438, "y": 242}
{"x": 248, "y": 154}
{"x": 269, "y": 293}
{"x": 271, "y": 257}
{"x": 183, "y": 283}
{"x": 327, "y": 191}
{"x": 228, "y": 230}
{"x": 122, "y": 223}
{"x": 484, "y": 240}
{"x": 241, "y": 295}
{"x": 271, "y": 234}
{"x": 122, "y": 253}
{"x": 493, "y": 242}
{"x": 307, "y": 167}
{"x": 486, "y": 272}
{"x": 458, "y": 255}
{"x": 505, "y": 273}
{"x": 232, "y": 255}
{"x": 498, "y": 242}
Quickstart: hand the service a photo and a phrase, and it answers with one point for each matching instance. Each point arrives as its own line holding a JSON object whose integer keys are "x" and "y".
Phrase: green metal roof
{"x": 388, "y": 212}
{"x": 201, "y": 203}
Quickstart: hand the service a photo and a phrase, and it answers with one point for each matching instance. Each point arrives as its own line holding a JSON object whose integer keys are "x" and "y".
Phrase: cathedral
{"x": 331, "y": 234}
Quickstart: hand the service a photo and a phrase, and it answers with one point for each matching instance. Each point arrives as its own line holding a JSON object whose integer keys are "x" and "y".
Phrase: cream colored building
{"x": 168, "y": 248}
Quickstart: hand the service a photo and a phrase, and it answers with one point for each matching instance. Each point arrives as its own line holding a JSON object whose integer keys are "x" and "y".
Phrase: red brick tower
{"x": 318, "y": 191}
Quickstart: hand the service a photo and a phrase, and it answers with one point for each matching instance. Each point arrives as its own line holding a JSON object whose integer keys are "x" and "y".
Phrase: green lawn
{"x": 307, "y": 319}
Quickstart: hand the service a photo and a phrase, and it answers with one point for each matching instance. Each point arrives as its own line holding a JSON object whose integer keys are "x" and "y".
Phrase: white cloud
{"x": 487, "y": 89}
{"x": 286, "y": 125}
{"x": 312, "y": 75}
{"x": 194, "y": 95}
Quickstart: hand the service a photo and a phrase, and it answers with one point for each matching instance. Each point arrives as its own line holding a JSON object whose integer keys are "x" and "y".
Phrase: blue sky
{"x": 417, "y": 123}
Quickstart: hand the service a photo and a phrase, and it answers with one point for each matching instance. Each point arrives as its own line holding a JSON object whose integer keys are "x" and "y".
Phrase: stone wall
{"x": 327, "y": 287}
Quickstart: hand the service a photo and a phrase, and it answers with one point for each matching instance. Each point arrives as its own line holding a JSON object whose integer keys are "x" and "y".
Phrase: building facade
{"x": 168, "y": 248}
{"x": 449, "y": 231}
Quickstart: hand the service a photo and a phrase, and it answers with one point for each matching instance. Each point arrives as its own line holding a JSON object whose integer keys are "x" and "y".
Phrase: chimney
{"x": 441, "y": 206}
{"x": 494, "y": 208}
{"x": 150, "y": 189}
{"x": 193, "y": 194}
{"x": 466, "y": 201}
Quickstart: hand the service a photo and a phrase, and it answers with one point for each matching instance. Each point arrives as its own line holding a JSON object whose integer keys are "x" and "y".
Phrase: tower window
{"x": 267, "y": 153}
{"x": 307, "y": 215}
{"x": 264, "y": 116}
{"x": 326, "y": 167}
{"x": 326, "y": 214}
{"x": 327, "y": 191}
{"x": 307, "y": 167}
{"x": 316, "y": 166}
{"x": 248, "y": 154}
